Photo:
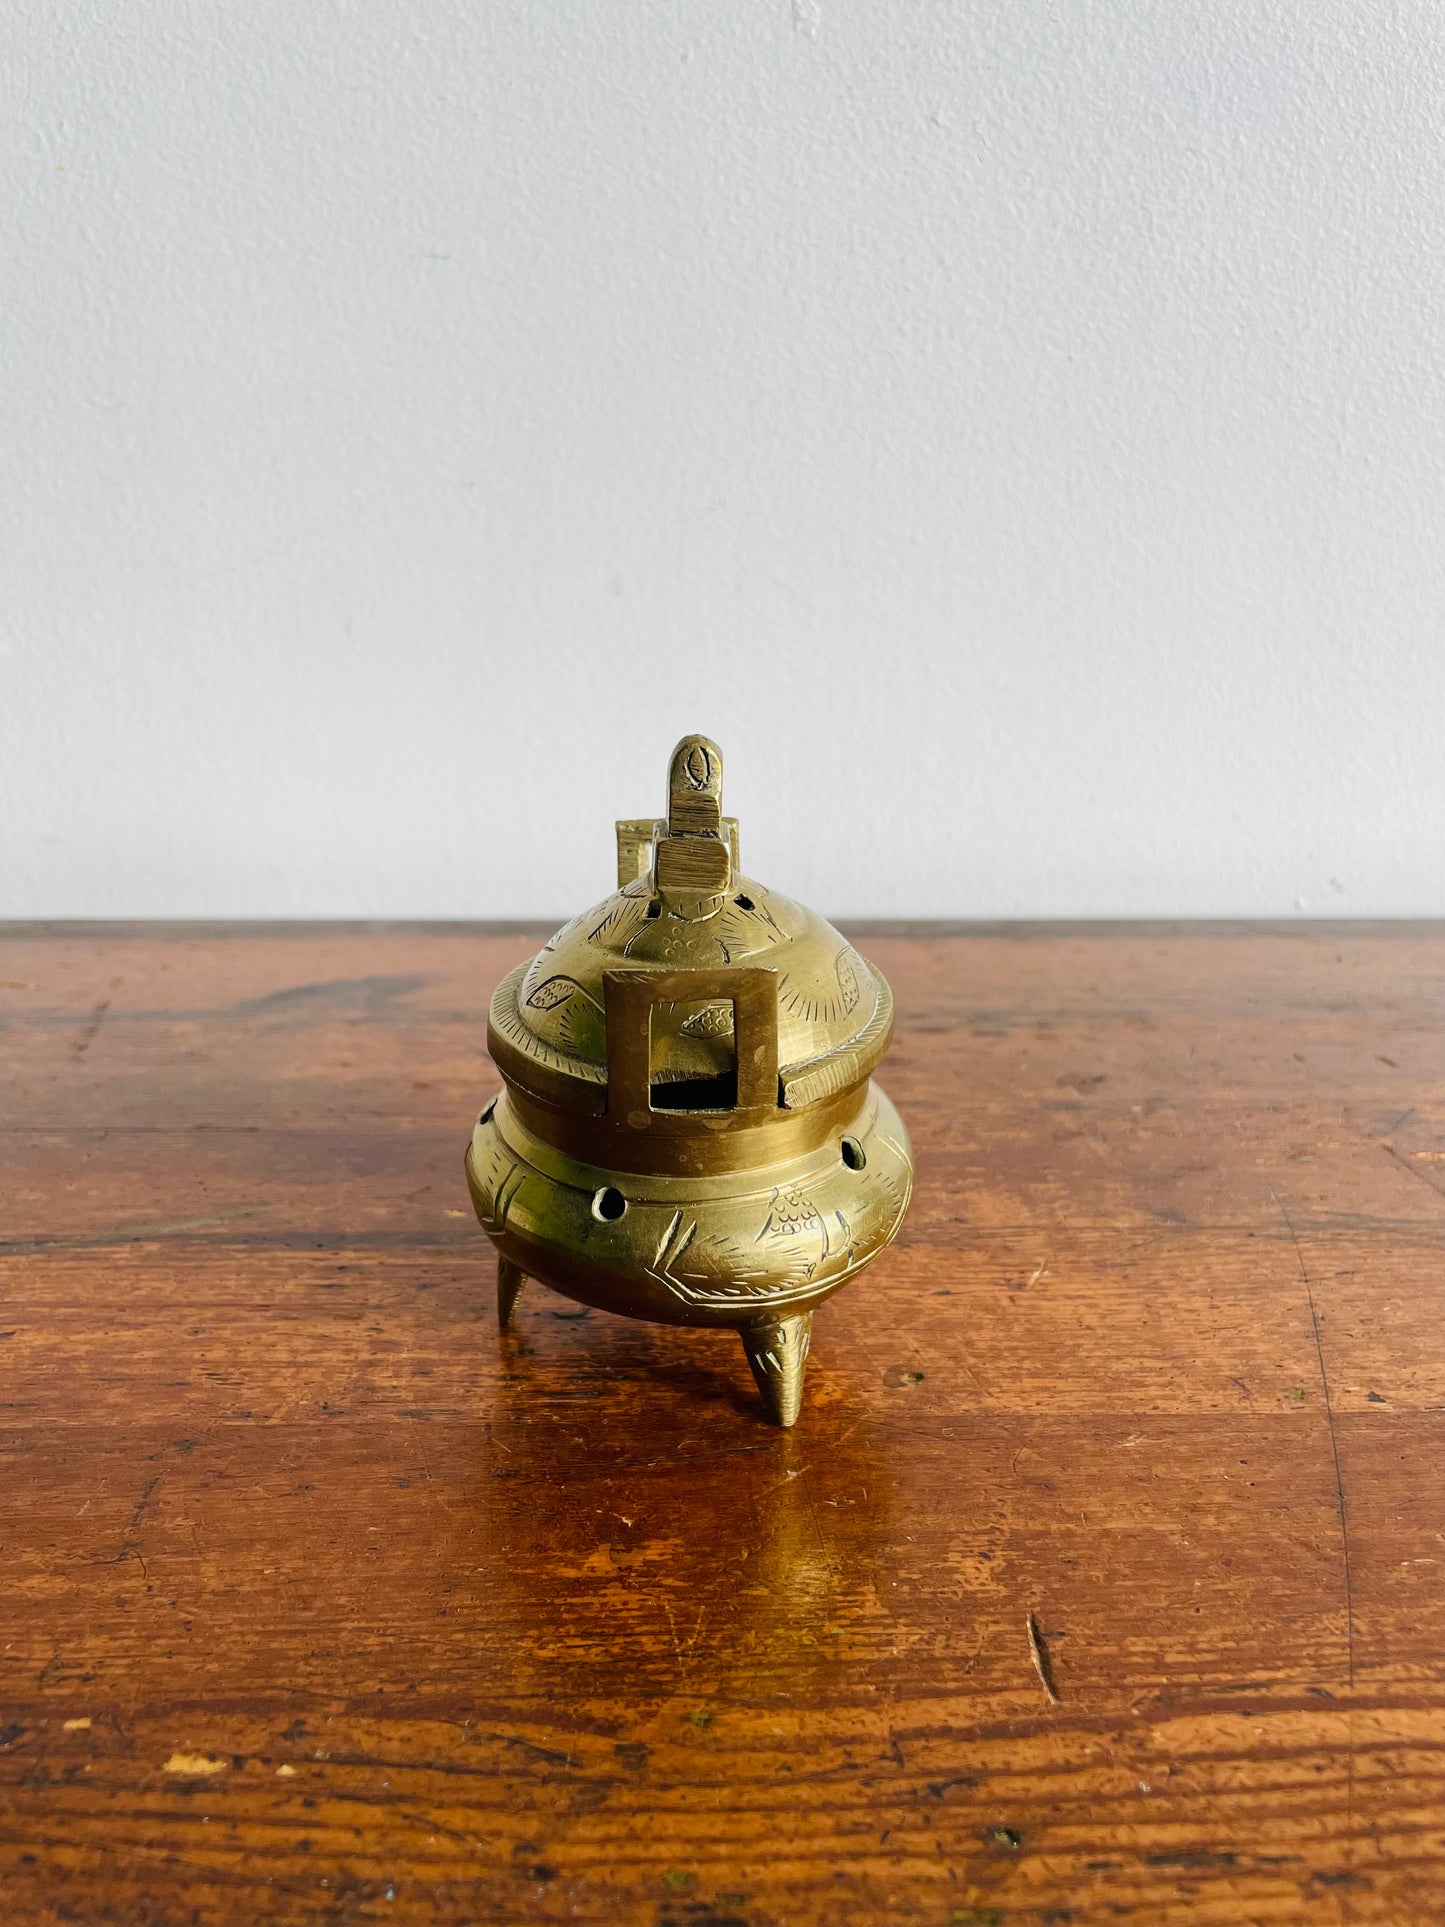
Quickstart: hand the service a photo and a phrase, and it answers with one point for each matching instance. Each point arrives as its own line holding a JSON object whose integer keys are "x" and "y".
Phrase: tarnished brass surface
{"x": 689, "y": 1132}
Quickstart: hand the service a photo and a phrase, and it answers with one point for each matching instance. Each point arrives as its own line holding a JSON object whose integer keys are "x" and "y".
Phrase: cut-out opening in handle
{"x": 714, "y": 1026}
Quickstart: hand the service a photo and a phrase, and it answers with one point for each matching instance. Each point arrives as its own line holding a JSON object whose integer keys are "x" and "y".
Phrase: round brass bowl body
{"x": 688, "y": 1131}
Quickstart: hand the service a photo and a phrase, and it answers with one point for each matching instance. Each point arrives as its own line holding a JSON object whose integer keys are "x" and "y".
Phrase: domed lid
{"x": 682, "y": 960}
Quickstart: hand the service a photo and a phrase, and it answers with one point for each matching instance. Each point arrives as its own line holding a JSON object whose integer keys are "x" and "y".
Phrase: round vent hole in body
{"x": 608, "y": 1204}
{"x": 853, "y": 1154}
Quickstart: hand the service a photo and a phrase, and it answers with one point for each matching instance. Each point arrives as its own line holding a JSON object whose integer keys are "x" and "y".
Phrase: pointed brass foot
{"x": 778, "y": 1353}
{"x": 510, "y": 1280}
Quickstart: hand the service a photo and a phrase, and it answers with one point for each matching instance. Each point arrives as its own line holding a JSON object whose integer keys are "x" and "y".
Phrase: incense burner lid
{"x": 682, "y": 904}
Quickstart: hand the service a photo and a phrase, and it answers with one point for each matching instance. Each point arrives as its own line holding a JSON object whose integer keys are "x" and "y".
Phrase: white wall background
{"x": 1014, "y": 428}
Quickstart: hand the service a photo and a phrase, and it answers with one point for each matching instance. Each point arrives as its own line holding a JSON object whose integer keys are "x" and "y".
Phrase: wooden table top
{"x": 322, "y": 1603}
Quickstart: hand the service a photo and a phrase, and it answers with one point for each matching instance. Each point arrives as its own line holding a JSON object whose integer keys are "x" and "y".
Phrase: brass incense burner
{"x": 688, "y": 1130}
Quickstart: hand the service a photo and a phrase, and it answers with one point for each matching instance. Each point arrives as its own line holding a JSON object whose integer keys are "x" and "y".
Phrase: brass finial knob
{"x": 692, "y": 861}
{"x": 694, "y": 788}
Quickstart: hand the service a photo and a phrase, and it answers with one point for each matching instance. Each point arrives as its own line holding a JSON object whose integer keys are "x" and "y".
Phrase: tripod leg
{"x": 778, "y": 1354}
{"x": 510, "y": 1280}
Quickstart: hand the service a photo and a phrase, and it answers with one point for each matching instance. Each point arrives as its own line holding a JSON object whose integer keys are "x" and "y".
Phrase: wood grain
{"x": 321, "y": 1602}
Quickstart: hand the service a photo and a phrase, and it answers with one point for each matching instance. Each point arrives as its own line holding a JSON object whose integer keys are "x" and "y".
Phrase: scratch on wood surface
{"x": 677, "y": 1645}
{"x": 145, "y": 1499}
{"x": 1340, "y": 1501}
{"x": 1409, "y": 1164}
{"x": 88, "y": 1035}
{"x": 683, "y": 1649}
{"x": 434, "y": 1492}
{"x": 1334, "y": 1445}
{"x": 1043, "y": 1663}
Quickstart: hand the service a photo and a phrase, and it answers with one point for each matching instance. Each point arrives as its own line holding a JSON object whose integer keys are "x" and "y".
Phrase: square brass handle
{"x": 628, "y": 997}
